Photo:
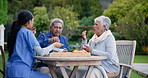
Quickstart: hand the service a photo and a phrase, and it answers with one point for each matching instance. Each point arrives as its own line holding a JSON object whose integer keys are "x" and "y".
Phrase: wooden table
{"x": 71, "y": 61}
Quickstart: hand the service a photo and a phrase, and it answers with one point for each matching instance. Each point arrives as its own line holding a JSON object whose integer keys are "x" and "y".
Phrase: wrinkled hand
{"x": 84, "y": 35}
{"x": 87, "y": 48}
{"x": 54, "y": 39}
{"x": 65, "y": 50}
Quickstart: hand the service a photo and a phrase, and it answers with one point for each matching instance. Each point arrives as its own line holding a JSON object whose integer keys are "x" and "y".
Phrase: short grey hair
{"x": 104, "y": 21}
{"x": 56, "y": 20}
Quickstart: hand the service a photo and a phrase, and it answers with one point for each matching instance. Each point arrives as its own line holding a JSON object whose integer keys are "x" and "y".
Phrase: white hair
{"x": 56, "y": 20}
{"x": 104, "y": 21}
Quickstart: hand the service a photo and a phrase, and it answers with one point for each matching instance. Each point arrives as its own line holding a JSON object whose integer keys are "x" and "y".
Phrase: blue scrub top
{"x": 43, "y": 41}
{"x": 20, "y": 64}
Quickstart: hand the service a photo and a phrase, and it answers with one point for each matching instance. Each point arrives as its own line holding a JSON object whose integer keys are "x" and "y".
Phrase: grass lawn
{"x": 141, "y": 59}
{"x": 138, "y": 59}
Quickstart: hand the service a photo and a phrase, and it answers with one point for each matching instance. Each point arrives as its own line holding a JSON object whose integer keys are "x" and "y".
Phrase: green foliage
{"x": 41, "y": 19}
{"x": 136, "y": 23}
{"x": 119, "y": 9}
{"x": 87, "y": 21}
{"x": 3, "y": 11}
{"x": 117, "y": 36}
{"x": 15, "y": 6}
{"x": 86, "y": 8}
{"x": 130, "y": 19}
{"x": 83, "y": 8}
{"x": 69, "y": 18}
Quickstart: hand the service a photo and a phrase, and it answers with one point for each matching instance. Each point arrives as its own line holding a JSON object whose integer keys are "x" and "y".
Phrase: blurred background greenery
{"x": 129, "y": 17}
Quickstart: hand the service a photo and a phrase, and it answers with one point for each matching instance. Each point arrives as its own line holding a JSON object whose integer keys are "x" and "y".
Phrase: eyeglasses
{"x": 56, "y": 27}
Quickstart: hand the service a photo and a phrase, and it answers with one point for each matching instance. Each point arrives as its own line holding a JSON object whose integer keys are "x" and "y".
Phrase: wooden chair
{"x": 126, "y": 53}
{"x": 3, "y": 61}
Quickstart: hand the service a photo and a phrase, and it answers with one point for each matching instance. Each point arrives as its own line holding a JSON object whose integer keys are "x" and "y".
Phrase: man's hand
{"x": 65, "y": 50}
{"x": 57, "y": 44}
{"x": 54, "y": 39}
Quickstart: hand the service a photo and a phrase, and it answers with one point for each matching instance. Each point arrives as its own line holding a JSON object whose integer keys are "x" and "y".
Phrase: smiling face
{"x": 98, "y": 28}
{"x": 56, "y": 29}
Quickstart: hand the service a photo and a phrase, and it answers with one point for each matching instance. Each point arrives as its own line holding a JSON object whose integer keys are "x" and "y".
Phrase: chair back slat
{"x": 126, "y": 53}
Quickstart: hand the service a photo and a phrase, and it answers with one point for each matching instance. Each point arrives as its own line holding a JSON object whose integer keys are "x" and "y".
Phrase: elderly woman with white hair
{"x": 101, "y": 44}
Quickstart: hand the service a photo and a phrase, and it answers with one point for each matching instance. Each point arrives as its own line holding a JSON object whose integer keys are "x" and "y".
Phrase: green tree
{"x": 3, "y": 11}
{"x": 41, "y": 19}
{"x": 83, "y": 8}
{"x": 86, "y": 8}
{"x": 119, "y": 9}
{"x": 87, "y": 21}
{"x": 130, "y": 19}
{"x": 136, "y": 22}
{"x": 15, "y": 6}
{"x": 69, "y": 18}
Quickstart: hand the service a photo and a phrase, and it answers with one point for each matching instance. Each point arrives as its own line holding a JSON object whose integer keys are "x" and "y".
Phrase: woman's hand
{"x": 33, "y": 30}
{"x": 84, "y": 35}
{"x": 87, "y": 48}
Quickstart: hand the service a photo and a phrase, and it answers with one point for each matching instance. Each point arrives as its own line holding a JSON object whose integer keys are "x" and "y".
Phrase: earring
{"x": 105, "y": 29}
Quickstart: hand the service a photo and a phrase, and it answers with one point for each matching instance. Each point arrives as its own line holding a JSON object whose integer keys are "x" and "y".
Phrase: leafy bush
{"x": 119, "y": 9}
{"x": 130, "y": 20}
{"x": 41, "y": 19}
{"x": 3, "y": 11}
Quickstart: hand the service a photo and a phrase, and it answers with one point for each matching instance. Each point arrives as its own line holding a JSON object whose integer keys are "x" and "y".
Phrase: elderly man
{"x": 54, "y": 35}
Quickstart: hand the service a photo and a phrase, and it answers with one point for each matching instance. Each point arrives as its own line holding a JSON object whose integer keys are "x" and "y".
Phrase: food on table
{"x": 75, "y": 53}
{"x": 57, "y": 45}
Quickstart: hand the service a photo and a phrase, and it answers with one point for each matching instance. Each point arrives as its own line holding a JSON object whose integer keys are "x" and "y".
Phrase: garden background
{"x": 129, "y": 18}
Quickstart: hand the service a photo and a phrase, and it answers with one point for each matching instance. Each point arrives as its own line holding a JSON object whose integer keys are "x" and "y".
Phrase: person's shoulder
{"x": 111, "y": 36}
{"x": 44, "y": 33}
{"x": 24, "y": 30}
{"x": 63, "y": 36}
{"x": 25, "y": 33}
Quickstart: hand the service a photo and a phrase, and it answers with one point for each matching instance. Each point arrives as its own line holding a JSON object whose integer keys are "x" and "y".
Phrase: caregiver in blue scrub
{"x": 22, "y": 45}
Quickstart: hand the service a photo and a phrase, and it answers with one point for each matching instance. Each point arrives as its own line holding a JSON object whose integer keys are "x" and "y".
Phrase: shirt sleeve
{"x": 43, "y": 40}
{"x": 32, "y": 41}
{"x": 84, "y": 42}
{"x": 42, "y": 51}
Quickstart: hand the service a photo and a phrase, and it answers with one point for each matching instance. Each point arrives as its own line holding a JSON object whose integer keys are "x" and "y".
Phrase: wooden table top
{"x": 70, "y": 58}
